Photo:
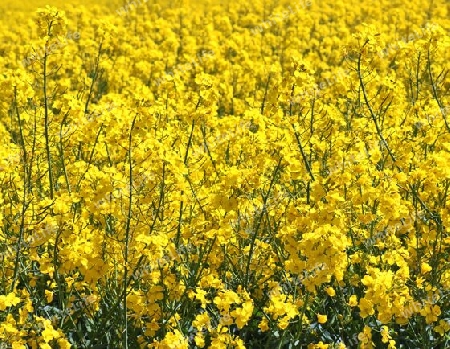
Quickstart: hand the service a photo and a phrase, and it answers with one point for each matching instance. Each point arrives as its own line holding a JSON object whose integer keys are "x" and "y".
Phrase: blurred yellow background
{"x": 31, "y": 5}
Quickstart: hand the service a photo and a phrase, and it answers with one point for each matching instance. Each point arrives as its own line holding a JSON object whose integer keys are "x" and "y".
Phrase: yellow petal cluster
{"x": 224, "y": 174}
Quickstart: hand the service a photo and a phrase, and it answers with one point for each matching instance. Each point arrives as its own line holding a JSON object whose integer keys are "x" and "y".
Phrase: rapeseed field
{"x": 224, "y": 174}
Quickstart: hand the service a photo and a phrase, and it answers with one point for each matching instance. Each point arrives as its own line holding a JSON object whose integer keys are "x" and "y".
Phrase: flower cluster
{"x": 172, "y": 180}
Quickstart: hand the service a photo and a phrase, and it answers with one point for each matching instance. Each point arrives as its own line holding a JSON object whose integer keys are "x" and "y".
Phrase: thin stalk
{"x": 127, "y": 237}
{"x": 255, "y": 233}
{"x": 46, "y": 122}
{"x": 372, "y": 114}
{"x": 435, "y": 95}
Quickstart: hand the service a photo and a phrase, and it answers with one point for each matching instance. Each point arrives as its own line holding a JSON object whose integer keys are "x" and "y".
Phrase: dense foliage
{"x": 225, "y": 174}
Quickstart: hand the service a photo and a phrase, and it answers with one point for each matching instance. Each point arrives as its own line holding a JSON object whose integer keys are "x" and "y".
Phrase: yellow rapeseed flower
{"x": 321, "y": 318}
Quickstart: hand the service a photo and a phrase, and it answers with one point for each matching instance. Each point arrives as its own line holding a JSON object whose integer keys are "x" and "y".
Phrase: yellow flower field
{"x": 224, "y": 174}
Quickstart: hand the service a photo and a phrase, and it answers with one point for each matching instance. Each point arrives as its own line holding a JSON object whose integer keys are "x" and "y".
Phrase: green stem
{"x": 255, "y": 233}
{"x": 46, "y": 122}
{"x": 127, "y": 239}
